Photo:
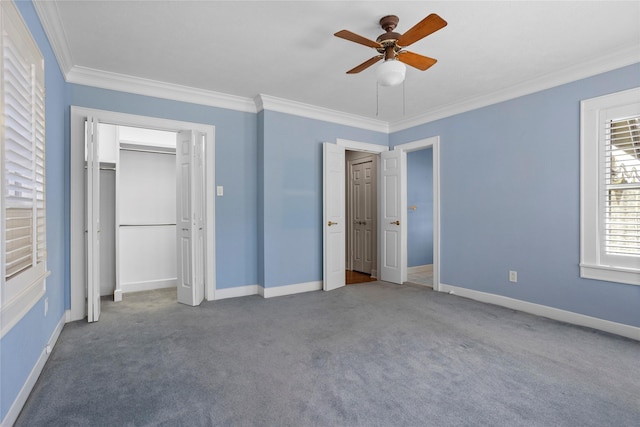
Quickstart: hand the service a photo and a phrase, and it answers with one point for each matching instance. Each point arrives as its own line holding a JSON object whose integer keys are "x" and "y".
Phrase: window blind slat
{"x": 622, "y": 190}
{"x": 24, "y": 154}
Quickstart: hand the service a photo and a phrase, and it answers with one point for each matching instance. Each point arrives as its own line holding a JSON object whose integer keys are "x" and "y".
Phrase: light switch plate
{"x": 219, "y": 190}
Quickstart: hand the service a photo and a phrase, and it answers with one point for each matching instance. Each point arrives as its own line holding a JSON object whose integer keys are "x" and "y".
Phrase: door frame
{"x": 434, "y": 143}
{"x": 373, "y": 158}
{"x": 374, "y": 149}
{"x": 77, "y": 292}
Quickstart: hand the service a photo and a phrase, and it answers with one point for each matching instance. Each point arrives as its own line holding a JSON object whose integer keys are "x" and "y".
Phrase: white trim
{"x": 426, "y": 268}
{"x": 629, "y": 276}
{"x": 433, "y": 142}
{"x": 130, "y": 84}
{"x": 77, "y": 116}
{"x": 628, "y": 331}
{"x": 14, "y": 310}
{"x": 52, "y": 24}
{"x": 602, "y": 64}
{"x": 146, "y": 285}
{"x": 271, "y": 103}
{"x": 594, "y": 263}
{"x": 361, "y": 146}
{"x": 17, "y": 405}
{"x": 239, "y": 291}
{"x": 296, "y": 288}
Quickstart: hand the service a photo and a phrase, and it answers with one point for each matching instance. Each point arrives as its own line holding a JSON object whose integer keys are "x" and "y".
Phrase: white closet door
{"x": 93, "y": 220}
{"x": 188, "y": 218}
{"x": 334, "y": 230}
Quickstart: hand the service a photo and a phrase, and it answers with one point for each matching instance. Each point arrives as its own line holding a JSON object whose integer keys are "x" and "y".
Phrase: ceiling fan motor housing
{"x": 388, "y": 40}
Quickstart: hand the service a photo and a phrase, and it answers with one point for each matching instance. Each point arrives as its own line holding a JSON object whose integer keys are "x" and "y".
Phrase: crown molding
{"x": 272, "y": 103}
{"x": 619, "y": 59}
{"x": 157, "y": 89}
{"x": 50, "y": 18}
{"x": 52, "y": 24}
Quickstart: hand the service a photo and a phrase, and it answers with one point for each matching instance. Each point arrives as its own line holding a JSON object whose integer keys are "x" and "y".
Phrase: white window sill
{"x": 630, "y": 276}
{"x": 15, "y": 309}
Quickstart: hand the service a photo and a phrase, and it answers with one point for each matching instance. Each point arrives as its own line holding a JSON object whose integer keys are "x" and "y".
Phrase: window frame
{"x": 594, "y": 263}
{"x": 21, "y": 292}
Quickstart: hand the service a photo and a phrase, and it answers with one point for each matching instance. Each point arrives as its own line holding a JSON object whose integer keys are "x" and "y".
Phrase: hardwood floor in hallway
{"x": 353, "y": 277}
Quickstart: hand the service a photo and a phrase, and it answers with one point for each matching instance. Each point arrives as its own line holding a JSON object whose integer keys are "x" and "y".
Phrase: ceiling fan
{"x": 390, "y": 46}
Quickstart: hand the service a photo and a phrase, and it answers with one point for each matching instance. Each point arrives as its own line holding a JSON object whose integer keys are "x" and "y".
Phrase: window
{"x": 22, "y": 114}
{"x": 610, "y": 187}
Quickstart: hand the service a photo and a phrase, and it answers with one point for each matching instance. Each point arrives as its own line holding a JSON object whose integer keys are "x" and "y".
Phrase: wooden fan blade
{"x": 365, "y": 65}
{"x": 418, "y": 61}
{"x": 428, "y": 25}
{"x": 353, "y": 37}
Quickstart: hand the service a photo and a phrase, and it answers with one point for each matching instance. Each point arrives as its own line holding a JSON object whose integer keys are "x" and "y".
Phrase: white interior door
{"x": 199, "y": 210}
{"x": 393, "y": 217}
{"x": 334, "y": 238}
{"x": 363, "y": 210}
{"x": 93, "y": 220}
{"x": 190, "y": 281}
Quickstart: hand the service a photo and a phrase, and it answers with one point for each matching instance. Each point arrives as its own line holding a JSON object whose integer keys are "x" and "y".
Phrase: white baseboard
{"x": 240, "y": 291}
{"x": 420, "y": 269}
{"x": 296, "y": 288}
{"x": 628, "y": 331}
{"x": 147, "y": 285}
{"x": 21, "y": 398}
{"x": 278, "y": 291}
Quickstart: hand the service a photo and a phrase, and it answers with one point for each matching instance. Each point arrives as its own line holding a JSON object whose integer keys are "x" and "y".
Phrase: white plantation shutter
{"x": 622, "y": 186}
{"x": 22, "y": 157}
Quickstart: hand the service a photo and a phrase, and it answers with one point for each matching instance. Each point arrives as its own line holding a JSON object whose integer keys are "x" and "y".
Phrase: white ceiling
{"x": 286, "y": 49}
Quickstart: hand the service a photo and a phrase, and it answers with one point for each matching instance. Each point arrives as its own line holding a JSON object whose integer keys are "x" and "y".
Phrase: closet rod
{"x": 171, "y": 153}
{"x": 146, "y": 225}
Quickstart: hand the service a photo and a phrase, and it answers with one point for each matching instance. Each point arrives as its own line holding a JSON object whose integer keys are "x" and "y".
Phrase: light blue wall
{"x": 510, "y": 199}
{"x": 236, "y": 169}
{"x": 21, "y": 347}
{"x": 420, "y": 195}
{"x": 292, "y": 194}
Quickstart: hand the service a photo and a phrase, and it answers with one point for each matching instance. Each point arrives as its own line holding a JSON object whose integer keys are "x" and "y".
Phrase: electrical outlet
{"x": 46, "y": 306}
{"x": 513, "y": 276}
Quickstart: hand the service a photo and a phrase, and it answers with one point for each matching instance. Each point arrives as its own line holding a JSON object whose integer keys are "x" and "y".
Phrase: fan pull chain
{"x": 404, "y": 99}
{"x": 377, "y": 99}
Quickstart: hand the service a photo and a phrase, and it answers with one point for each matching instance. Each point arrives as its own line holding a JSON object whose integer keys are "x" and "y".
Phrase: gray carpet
{"x": 374, "y": 354}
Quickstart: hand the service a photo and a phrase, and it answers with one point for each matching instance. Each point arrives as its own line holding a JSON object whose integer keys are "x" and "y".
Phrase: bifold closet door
{"x": 190, "y": 216}
{"x": 92, "y": 200}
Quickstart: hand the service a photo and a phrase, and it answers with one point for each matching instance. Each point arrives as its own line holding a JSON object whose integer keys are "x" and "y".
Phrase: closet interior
{"x": 137, "y": 209}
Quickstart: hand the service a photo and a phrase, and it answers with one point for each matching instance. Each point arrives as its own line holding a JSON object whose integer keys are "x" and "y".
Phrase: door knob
{"x": 395, "y": 222}
{"x": 332, "y": 223}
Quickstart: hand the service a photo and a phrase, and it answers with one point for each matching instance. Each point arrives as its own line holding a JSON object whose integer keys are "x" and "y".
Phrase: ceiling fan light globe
{"x": 391, "y": 73}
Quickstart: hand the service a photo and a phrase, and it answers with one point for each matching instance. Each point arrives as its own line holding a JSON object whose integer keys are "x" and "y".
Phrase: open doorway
{"x": 361, "y": 171}
{"x": 84, "y": 242}
{"x": 420, "y": 217}
{"x": 137, "y": 210}
{"x": 392, "y": 210}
